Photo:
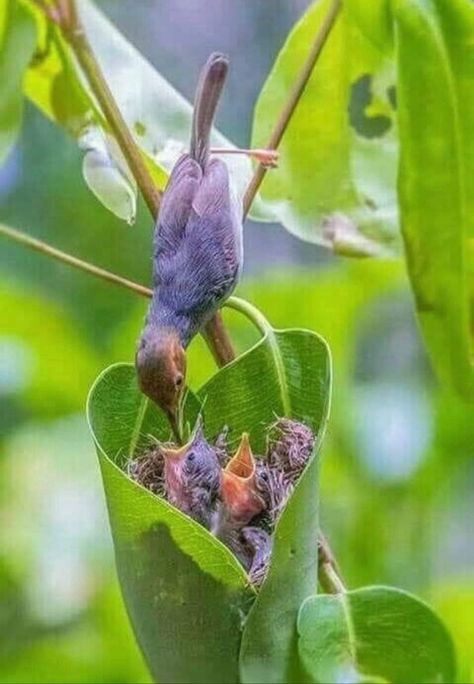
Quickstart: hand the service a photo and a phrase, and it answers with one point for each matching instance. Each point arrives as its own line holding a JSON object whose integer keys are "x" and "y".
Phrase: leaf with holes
{"x": 434, "y": 46}
{"x": 182, "y": 587}
{"x": 374, "y": 634}
{"x": 336, "y": 181}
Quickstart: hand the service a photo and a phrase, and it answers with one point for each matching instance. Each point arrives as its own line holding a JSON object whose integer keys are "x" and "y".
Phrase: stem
{"x": 218, "y": 340}
{"x": 293, "y": 99}
{"x": 329, "y": 574}
{"x": 75, "y": 35}
{"x": 58, "y": 255}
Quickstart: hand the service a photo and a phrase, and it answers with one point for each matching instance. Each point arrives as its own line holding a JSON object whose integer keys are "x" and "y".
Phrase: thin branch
{"x": 293, "y": 99}
{"x": 329, "y": 574}
{"x": 58, "y": 255}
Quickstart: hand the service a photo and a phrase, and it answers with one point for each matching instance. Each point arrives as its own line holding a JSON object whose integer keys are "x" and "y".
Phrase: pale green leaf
{"x": 374, "y": 634}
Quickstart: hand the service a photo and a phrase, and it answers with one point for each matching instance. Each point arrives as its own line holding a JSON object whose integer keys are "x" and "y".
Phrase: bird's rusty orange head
{"x": 161, "y": 367}
{"x": 239, "y": 490}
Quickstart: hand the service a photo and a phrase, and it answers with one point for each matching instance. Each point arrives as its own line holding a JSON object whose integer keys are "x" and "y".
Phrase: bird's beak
{"x": 242, "y": 464}
{"x": 175, "y": 425}
{"x": 174, "y": 455}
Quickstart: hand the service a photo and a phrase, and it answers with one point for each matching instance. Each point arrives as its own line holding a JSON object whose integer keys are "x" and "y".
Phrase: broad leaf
{"x": 336, "y": 181}
{"x": 17, "y": 43}
{"x": 157, "y": 115}
{"x": 374, "y": 634}
{"x": 185, "y": 592}
{"x": 162, "y": 555}
{"x": 436, "y": 186}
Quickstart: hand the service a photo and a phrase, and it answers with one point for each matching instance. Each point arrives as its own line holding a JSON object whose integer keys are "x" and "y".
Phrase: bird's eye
{"x": 178, "y": 380}
{"x": 190, "y": 457}
{"x": 264, "y": 475}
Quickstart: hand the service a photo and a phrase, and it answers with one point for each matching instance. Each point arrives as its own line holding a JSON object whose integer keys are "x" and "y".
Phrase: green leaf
{"x": 336, "y": 181}
{"x": 436, "y": 186}
{"x": 374, "y": 20}
{"x": 157, "y": 115}
{"x": 184, "y": 591}
{"x": 17, "y": 42}
{"x": 287, "y": 373}
{"x": 374, "y": 634}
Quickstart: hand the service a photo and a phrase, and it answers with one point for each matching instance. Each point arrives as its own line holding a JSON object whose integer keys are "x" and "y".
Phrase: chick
{"x": 290, "y": 446}
{"x": 192, "y": 477}
{"x": 239, "y": 492}
{"x": 259, "y": 544}
{"x": 198, "y": 252}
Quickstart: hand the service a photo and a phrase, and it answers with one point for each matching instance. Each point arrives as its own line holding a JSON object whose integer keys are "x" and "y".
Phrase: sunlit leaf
{"x": 435, "y": 48}
{"x": 374, "y": 634}
{"x": 336, "y": 181}
{"x": 17, "y": 42}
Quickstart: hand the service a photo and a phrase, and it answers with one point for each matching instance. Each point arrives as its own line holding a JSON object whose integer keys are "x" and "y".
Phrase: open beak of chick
{"x": 239, "y": 486}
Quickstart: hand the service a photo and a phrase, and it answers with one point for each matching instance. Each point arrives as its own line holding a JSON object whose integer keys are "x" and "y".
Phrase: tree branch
{"x": 293, "y": 99}
{"x": 65, "y": 258}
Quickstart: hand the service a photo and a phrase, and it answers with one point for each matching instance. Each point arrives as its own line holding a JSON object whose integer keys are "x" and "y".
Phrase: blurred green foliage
{"x": 397, "y": 472}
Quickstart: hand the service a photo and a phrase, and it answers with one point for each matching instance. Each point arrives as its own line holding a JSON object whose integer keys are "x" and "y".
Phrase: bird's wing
{"x": 213, "y": 243}
{"x": 176, "y": 204}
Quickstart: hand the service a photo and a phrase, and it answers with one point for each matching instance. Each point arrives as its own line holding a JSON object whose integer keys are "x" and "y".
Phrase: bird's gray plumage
{"x": 198, "y": 235}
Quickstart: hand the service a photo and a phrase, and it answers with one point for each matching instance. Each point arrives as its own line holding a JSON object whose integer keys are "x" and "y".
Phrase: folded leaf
{"x": 434, "y": 45}
{"x": 288, "y": 373}
{"x": 185, "y": 593}
{"x": 374, "y": 634}
{"x": 336, "y": 181}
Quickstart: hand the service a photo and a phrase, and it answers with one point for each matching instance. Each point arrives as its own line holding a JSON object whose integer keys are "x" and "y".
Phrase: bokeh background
{"x": 398, "y": 467}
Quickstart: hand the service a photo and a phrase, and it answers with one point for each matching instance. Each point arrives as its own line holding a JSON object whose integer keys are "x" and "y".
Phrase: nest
{"x": 249, "y": 495}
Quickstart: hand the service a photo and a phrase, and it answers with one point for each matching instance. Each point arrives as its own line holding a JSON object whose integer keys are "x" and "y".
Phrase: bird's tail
{"x": 208, "y": 91}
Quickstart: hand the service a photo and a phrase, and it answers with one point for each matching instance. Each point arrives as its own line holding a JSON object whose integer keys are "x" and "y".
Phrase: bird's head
{"x": 239, "y": 489}
{"x": 161, "y": 367}
{"x": 191, "y": 469}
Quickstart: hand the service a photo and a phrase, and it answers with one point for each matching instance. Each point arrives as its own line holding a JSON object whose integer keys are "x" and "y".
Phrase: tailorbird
{"x": 197, "y": 252}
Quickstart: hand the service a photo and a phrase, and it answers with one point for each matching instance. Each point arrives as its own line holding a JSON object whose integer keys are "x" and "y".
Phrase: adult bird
{"x": 197, "y": 255}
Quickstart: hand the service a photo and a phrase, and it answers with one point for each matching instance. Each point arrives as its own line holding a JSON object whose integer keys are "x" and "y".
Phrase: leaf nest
{"x": 237, "y": 497}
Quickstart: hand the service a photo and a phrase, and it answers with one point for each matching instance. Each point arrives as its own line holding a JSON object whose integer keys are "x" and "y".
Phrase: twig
{"x": 65, "y": 258}
{"x": 329, "y": 574}
{"x": 293, "y": 99}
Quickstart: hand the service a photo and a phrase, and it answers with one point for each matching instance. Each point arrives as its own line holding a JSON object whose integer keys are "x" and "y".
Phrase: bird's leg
{"x": 267, "y": 158}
